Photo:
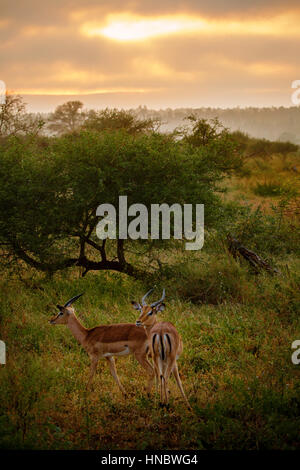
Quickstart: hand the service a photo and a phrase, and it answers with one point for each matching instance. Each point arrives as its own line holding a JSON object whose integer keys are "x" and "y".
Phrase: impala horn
{"x": 72, "y": 300}
{"x": 160, "y": 300}
{"x": 146, "y": 295}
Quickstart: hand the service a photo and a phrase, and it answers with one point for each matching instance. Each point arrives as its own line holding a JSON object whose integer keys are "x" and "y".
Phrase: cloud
{"x": 59, "y": 12}
{"x": 46, "y": 47}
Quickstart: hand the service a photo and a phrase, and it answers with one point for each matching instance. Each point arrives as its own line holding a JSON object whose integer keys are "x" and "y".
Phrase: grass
{"x": 236, "y": 368}
{"x": 262, "y": 179}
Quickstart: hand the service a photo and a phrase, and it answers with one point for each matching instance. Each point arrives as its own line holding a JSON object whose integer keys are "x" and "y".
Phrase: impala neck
{"x": 78, "y": 330}
{"x": 148, "y": 328}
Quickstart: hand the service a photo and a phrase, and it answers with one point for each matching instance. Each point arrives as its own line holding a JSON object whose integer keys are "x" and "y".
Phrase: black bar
{"x": 148, "y": 458}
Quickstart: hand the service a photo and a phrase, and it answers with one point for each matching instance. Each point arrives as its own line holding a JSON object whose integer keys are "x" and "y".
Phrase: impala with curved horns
{"x": 107, "y": 341}
{"x": 165, "y": 344}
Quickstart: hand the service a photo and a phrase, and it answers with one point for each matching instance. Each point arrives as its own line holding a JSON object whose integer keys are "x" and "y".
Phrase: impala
{"x": 107, "y": 341}
{"x": 165, "y": 344}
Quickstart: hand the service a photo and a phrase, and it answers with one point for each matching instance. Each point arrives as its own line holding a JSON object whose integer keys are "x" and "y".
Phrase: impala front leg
{"x": 93, "y": 367}
{"x": 142, "y": 359}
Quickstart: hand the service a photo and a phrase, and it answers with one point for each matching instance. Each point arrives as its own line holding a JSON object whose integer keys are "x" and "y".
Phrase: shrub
{"x": 274, "y": 189}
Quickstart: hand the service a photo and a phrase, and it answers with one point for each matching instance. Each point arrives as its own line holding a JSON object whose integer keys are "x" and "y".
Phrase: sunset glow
{"x": 133, "y": 28}
{"x": 127, "y": 27}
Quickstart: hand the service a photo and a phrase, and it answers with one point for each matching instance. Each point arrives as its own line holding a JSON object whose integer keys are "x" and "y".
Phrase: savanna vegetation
{"x": 237, "y": 323}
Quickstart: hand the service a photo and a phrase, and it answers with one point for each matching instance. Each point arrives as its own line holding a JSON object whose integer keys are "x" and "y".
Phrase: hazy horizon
{"x": 46, "y": 103}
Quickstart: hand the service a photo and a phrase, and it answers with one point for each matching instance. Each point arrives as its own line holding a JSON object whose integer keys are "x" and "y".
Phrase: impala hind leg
{"x": 142, "y": 359}
{"x": 178, "y": 380}
{"x": 113, "y": 372}
{"x": 164, "y": 395}
{"x": 165, "y": 381}
{"x": 162, "y": 389}
{"x": 160, "y": 368}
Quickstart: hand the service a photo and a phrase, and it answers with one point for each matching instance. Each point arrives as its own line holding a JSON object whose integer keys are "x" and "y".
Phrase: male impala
{"x": 165, "y": 344}
{"x": 107, "y": 341}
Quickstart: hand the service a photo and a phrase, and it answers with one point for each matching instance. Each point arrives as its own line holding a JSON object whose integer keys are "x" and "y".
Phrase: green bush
{"x": 213, "y": 281}
{"x": 254, "y": 147}
{"x": 274, "y": 189}
{"x": 268, "y": 234}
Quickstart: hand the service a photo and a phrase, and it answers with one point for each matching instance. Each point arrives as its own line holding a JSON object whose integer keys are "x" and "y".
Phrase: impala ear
{"x": 59, "y": 307}
{"x": 136, "y": 305}
{"x": 160, "y": 307}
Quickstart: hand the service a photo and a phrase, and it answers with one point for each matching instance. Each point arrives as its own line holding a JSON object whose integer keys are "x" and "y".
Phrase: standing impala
{"x": 107, "y": 341}
{"x": 165, "y": 344}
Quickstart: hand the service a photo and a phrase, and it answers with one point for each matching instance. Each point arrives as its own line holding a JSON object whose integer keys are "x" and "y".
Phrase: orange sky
{"x": 167, "y": 53}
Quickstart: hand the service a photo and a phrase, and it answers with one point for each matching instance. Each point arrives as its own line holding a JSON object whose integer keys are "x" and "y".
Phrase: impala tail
{"x": 162, "y": 348}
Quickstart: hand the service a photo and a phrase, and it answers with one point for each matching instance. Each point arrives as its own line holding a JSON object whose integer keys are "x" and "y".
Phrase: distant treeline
{"x": 275, "y": 124}
{"x": 271, "y": 123}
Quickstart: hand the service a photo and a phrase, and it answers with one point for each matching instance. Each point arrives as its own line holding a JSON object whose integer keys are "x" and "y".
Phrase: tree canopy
{"x": 49, "y": 195}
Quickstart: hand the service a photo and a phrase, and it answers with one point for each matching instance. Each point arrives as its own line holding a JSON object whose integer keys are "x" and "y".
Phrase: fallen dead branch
{"x": 256, "y": 261}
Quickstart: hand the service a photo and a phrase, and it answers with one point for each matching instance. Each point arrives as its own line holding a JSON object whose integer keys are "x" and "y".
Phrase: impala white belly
{"x": 125, "y": 352}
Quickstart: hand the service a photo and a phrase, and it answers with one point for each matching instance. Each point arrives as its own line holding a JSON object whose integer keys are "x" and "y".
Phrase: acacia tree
{"x": 67, "y": 117}
{"x": 115, "y": 119}
{"x": 49, "y": 196}
{"x": 215, "y": 140}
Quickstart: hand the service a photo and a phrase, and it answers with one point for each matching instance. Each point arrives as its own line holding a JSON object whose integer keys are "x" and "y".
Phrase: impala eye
{"x": 150, "y": 313}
